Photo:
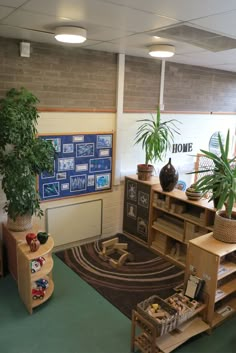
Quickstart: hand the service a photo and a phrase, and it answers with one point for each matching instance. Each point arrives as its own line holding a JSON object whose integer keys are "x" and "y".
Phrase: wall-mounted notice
{"x": 83, "y": 165}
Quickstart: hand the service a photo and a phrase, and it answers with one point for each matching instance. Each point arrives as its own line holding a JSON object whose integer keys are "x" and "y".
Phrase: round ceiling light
{"x": 162, "y": 50}
{"x": 69, "y": 34}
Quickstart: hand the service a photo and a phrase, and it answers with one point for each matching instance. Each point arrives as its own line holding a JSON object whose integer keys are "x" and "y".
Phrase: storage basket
{"x": 20, "y": 224}
{"x": 225, "y": 228}
{"x": 187, "y": 311}
{"x": 167, "y": 324}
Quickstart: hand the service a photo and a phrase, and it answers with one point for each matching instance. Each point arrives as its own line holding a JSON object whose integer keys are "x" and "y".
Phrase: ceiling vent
{"x": 198, "y": 37}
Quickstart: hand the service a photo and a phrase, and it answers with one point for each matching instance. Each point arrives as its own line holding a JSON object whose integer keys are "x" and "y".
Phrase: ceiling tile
{"x": 179, "y": 9}
{"x": 223, "y": 23}
{"x": 12, "y": 3}
{"x": 93, "y": 11}
{"x": 5, "y": 11}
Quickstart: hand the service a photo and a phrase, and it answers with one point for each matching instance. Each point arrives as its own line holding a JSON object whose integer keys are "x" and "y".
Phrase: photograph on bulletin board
{"x": 82, "y": 165}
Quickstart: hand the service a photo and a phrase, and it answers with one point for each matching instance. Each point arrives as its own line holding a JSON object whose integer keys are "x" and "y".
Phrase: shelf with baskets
{"x": 215, "y": 262}
{"x": 35, "y": 283}
{"x": 174, "y": 220}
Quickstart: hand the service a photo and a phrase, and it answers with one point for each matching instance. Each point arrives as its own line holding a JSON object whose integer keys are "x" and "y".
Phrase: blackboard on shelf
{"x": 83, "y": 165}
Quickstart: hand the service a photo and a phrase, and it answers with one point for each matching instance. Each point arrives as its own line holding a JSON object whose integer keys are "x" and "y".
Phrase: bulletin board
{"x": 83, "y": 165}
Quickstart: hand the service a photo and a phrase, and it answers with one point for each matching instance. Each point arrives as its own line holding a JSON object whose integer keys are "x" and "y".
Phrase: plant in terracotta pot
{"x": 155, "y": 136}
{"x": 221, "y": 184}
{"x": 22, "y": 157}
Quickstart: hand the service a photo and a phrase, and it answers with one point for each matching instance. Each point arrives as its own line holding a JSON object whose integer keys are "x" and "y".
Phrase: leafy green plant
{"x": 22, "y": 155}
{"x": 221, "y": 180}
{"x": 156, "y": 136}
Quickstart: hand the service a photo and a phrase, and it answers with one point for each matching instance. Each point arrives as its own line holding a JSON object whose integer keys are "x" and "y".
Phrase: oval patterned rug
{"x": 125, "y": 286}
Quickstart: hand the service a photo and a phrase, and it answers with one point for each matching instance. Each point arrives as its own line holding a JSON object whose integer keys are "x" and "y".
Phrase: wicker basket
{"x": 166, "y": 325}
{"x": 187, "y": 312}
{"x": 225, "y": 228}
{"x": 20, "y": 224}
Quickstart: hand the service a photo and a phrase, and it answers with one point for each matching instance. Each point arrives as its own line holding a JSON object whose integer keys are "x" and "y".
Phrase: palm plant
{"x": 221, "y": 180}
{"x": 156, "y": 136}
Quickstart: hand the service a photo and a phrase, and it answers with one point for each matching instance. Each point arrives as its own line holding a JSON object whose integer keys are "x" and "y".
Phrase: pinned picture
{"x": 104, "y": 141}
{"x": 65, "y": 186}
{"x": 68, "y": 148}
{"x": 104, "y": 153}
{"x": 131, "y": 190}
{"x": 79, "y": 138}
{"x": 102, "y": 181}
{"x": 142, "y": 226}
{"x": 85, "y": 150}
{"x": 91, "y": 180}
{"x": 77, "y": 182}
{"x": 100, "y": 165}
{"x": 81, "y": 167}
{"x": 143, "y": 199}
{"x": 61, "y": 176}
{"x": 56, "y": 142}
{"x": 131, "y": 210}
{"x": 66, "y": 164}
{"x": 51, "y": 190}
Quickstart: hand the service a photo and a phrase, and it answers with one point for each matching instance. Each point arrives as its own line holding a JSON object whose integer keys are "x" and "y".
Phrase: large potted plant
{"x": 22, "y": 157}
{"x": 155, "y": 136}
{"x": 221, "y": 184}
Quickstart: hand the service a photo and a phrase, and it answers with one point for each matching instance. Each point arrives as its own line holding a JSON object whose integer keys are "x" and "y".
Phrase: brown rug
{"x": 124, "y": 287}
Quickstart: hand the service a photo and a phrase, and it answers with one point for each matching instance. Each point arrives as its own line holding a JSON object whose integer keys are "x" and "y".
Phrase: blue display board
{"x": 83, "y": 165}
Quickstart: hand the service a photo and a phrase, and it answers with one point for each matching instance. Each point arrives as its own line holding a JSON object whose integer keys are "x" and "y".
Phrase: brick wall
{"x": 63, "y": 77}
{"x": 194, "y": 88}
{"x": 142, "y": 83}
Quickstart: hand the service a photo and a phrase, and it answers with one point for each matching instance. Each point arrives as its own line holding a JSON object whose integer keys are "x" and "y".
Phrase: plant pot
{"x": 168, "y": 177}
{"x": 225, "y": 228}
{"x": 145, "y": 171}
{"x": 20, "y": 224}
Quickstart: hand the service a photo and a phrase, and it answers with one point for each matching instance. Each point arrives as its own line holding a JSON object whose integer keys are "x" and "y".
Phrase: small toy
{"x": 42, "y": 237}
{"x": 113, "y": 246}
{"x": 35, "y": 266}
{"x": 34, "y": 245}
{"x": 38, "y": 293}
{"x": 29, "y": 237}
{"x": 42, "y": 283}
{"x": 41, "y": 260}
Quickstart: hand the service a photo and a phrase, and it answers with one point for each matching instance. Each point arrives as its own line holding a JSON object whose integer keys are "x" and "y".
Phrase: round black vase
{"x": 168, "y": 177}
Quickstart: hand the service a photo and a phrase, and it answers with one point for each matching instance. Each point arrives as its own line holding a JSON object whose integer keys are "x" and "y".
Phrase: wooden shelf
{"x": 227, "y": 289}
{"x": 219, "y": 318}
{"x": 169, "y": 230}
{"x": 45, "y": 269}
{"x": 225, "y": 269}
{"x": 48, "y": 293}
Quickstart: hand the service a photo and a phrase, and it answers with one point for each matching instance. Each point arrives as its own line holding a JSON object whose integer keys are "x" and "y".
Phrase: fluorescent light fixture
{"x": 69, "y": 34}
{"x": 162, "y": 50}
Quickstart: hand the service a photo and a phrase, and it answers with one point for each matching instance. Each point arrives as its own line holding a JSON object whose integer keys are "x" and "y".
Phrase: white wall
{"x": 194, "y": 128}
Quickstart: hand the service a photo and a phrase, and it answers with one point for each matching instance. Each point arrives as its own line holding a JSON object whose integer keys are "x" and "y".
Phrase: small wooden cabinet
{"x": 137, "y": 207}
{"x": 27, "y": 279}
{"x": 215, "y": 262}
{"x": 175, "y": 220}
{"x": 19, "y": 258}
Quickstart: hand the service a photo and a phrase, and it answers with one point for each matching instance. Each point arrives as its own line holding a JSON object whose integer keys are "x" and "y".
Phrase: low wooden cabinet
{"x": 215, "y": 262}
{"x": 19, "y": 260}
{"x": 175, "y": 220}
{"x": 136, "y": 214}
{"x": 27, "y": 279}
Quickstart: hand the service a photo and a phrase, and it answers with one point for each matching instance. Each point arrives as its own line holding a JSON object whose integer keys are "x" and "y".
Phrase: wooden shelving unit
{"x": 215, "y": 262}
{"x": 26, "y": 279}
{"x": 19, "y": 258}
{"x": 1, "y": 259}
{"x": 137, "y": 198}
{"x": 175, "y": 220}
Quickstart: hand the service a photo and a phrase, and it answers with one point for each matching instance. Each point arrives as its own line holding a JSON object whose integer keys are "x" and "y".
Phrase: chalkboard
{"x": 83, "y": 165}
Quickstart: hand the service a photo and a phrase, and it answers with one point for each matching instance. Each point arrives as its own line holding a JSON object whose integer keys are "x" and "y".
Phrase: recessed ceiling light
{"x": 69, "y": 34}
{"x": 162, "y": 50}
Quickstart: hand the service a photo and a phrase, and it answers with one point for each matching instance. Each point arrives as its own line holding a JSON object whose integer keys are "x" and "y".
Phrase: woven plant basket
{"x": 225, "y": 228}
{"x": 20, "y": 224}
{"x": 145, "y": 171}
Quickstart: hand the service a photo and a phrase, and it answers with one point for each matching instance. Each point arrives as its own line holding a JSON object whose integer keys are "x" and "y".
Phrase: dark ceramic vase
{"x": 168, "y": 177}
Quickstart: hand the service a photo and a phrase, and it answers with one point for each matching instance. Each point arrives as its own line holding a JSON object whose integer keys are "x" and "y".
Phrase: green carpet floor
{"x": 78, "y": 320}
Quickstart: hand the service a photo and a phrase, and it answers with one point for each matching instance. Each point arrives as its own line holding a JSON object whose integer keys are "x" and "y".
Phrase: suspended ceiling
{"x": 203, "y": 31}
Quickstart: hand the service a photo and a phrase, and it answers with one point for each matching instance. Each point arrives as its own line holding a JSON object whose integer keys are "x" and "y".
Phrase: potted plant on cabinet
{"x": 156, "y": 137}
{"x": 221, "y": 183}
{"x": 22, "y": 157}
